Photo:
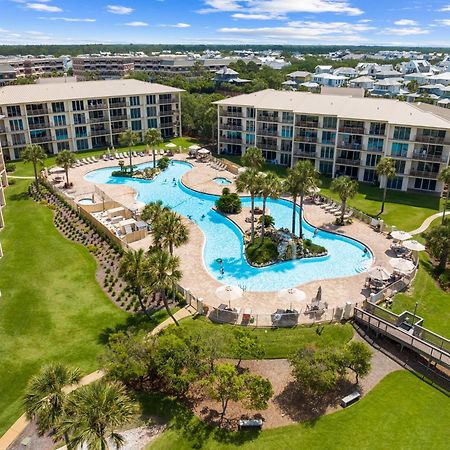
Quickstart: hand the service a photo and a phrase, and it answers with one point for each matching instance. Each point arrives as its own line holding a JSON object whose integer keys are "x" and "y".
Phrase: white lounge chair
{"x": 329, "y": 207}
{"x": 104, "y": 157}
{"x": 161, "y": 152}
{"x": 134, "y": 154}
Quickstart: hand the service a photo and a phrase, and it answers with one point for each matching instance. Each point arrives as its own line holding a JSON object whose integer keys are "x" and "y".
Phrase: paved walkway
{"x": 20, "y": 178}
{"x": 180, "y": 314}
{"x": 426, "y": 223}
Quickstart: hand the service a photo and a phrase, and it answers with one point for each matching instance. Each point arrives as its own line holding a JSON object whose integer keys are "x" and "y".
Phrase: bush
{"x": 313, "y": 248}
{"x": 444, "y": 279}
{"x": 268, "y": 221}
{"x": 10, "y": 167}
{"x": 163, "y": 163}
{"x": 120, "y": 173}
{"x": 264, "y": 253}
{"x": 92, "y": 248}
{"x": 229, "y": 203}
{"x": 11, "y": 181}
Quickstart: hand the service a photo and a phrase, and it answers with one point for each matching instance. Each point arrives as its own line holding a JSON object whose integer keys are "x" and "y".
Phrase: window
{"x": 80, "y": 132}
{"x": 286, "y": 131}
{"x": 166, "y": 98}
{"x": 250, "y": 125}
{"x": 136, "y": 125}
{"x": 134, "y": 101}
{"x": 307, "y": 148}
{"x": 424, "y": 184}
{"x": 400, "y": 166}
{"x": 59, "y": 121}
{"x": 287, "y": 117}
{"x": 79, "y": 119}
{"x": 326, "y": 168}
{"x": 83, "y": 144}
{"x": 61, "y": 134}
{"x": 58, "y": 107}
{"x": 375, "y": 145}
{"x": 377, "y": 128}
{"x": 395, "y": 183}
{"x": 285, "y": 159}
{"x": 370, "y": 175}
{"x": 328, "y": 137}
{"x": 165, "y": 110}
{"x": 78, "y": 105}
{"x": 151, "y": 100}
{"x": 13, "y": 111}
{"x": 135, "y": 113}
{"x": 151, "y": 111}
{"x": 152, "y": 123}
{"x": 327, "y": 152}
{"x": 61, "y": 146}
{"x": 16, "y": 125}
{"x": 249, "y": 139}
{"x": 251, "y": 113}
{"x": 402, "y": 133}
{"x": 399, "y": 149}
{"x": 286, "y": 146}
{"x": 372, "y": 160}
{"x": 166, "y": 121}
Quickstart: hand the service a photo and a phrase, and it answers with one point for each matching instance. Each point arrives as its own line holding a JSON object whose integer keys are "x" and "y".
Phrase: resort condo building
{"x": 84, "y": 115}
{"x": 3, "y": 184}
{"x": 340, "y": 135}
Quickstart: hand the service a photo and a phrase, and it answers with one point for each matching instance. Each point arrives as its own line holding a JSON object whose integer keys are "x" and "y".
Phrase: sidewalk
{"x": 427, "y": 223}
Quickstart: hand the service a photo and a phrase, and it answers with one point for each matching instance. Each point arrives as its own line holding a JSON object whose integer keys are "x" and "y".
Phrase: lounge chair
{"x": 375, "y": 224}
{"x": 134, "y": 154}
{"x": 161, "y": 152}
{"x": 116, "y": 155}
{"x": 104, "y": 157}
{"x": 330, "y": 206}
{"x": 141, "y": 154}
{"x": 348, "y": 214}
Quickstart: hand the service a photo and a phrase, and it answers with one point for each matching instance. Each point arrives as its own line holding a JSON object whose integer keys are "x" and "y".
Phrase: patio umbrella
{"x": 229, "y": 293}
{"x": 170, "y": 145}
{"x": 291, "y": 294}
{"x": 379, "y": 273}
{"x": 194, "y": 147}
{"x": 400, "y": 235}
{"x": 203, "y": 151}
{"x": 402, "y": 265}
{"x": 414, "y": 245}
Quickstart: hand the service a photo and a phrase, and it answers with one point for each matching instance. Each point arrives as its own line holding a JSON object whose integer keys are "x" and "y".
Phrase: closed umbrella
{"x": 194, "y": 147}
{"x": 291, "y": 294}
{"x": 402, "y": 265}
{"x": 170, "y": 145}
{"x": 203, "y": 151}
{"x": 379, "y": 273}
{"x": 229, "y": 293}
{"x": 414, "y": 245}
{"x": 400, "y": 235}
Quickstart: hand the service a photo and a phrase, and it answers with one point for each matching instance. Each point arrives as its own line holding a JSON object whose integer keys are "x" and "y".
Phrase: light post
{"x": 414, "y": 315}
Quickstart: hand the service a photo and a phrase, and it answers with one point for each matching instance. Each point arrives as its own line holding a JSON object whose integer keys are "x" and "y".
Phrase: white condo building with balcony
{"x": 340, "y": 135}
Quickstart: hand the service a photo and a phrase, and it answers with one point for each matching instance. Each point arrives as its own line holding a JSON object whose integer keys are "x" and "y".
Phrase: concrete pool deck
{"x": 336, "y": 292}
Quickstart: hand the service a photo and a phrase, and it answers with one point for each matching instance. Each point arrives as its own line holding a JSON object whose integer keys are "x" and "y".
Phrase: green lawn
{"x": 401, "y": 412}
{"x": 405, "y": 210}
{"x": 278, "y": 343}
{"x": 26, "y": 170}
{"x": 51, "y": 308}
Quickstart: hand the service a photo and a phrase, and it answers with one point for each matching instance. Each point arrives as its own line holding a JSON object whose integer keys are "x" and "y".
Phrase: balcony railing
{"x": 122, "y": 117}
{"x": 38, "y": 126}
{"x": 266, "y": 118}
{"x": 100, "y": 106}
{"x": 305, "y": 154}
{"x": 117, "y": 105}
{"x": 99, "y": 132}
{"x": 310, "y": 139}
{"x": 352, "y": 130}
{"x": 265, "y": 132}
{"x": 306, "y": 124}
{"x": 350, "y": 145}
{"x": 98, "y": 119}
{"x": 266, "y": 146}
{"x": 424, "y": 173}
{"x": 432, "y": 140}
{"x": 118, "y": 130}
{"x": 165, "y": 101}
{"x": 424, "y": 156}
{"x": 37, "y": 112}
{"x": 231, "y": 113}
{"x": 231, "y": 140}
{"x": 37, "y": 140}
{"x": 227, "y": 126}
{"x": 348, "y": 162}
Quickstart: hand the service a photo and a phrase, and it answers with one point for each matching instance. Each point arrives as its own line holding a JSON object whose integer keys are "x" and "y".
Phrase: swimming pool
{"x": 223, "y": 239}
{"x": 86, "y": 201}
{"x": 221, "y": 180}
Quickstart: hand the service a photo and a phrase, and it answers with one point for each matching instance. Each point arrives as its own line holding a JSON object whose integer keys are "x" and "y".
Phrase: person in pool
{"x": 366, "y": 250}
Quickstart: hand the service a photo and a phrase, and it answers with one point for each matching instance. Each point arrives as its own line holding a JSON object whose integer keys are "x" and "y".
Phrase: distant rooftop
{"x": 33, "y": 93}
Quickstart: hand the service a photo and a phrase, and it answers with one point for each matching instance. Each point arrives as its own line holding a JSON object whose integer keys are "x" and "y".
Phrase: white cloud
{"x": 42, "y": 7}
{"x": 445, "y": 8}
{"x": 257, "y": 16}
{"x": 175, "y": 25}
{"x": 118, "y": 9}
{"x": 408, "y": 31}
{"x": 330, "y": 27}
{"x": 444, "y": 22}
{"x": 280, "y": 7}
{"x": 70, "y": 19}
{"x": 405, "y": 22}
{"x": 136, "y": 24}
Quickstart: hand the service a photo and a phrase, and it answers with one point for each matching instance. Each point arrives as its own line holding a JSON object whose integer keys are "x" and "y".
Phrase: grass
{"x": 401, "y": 412}
{"x": 277, "y": 343}
{"x": 262, "y": 252}
{"x": 52, "y": 308}
{"x": 26, "y": 169}
{"x": 405, "y": 210}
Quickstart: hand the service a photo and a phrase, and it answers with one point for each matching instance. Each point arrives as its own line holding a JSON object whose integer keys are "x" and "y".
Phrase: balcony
{"x": 348, "y": 162}
{"x": 227, "y": 126}
{"x": 304, "y": 154}
{"x": 117, "y": 105}
{"x": 166, "y": 101}
{"x": 121, "y": 117}
{"x": 265, "y": 132}
{"x": 424, "y": 156}
{"x": 96, "y": 107}
{"x": 306, "y": 124}
{"x": 230, "y": 140}
{"x": 310, "y": 139}
{"x": 231, "y": 113}
{"x": 37, "y": 112}
{"x": 267, "y": 118}
{"x": 119, "y": 130}
{"x": 350, "y": 145}
{"x": 432, "y": 140}
{"x": 352, "y": 130}
{"x": 267, "y": 146}
{"x": 98, "y": 119}
{"x": 38, "y": 140}
{"x": 99, "y": 132}
{"x": 38, "y": 126}
{"x": 423, "y": 174}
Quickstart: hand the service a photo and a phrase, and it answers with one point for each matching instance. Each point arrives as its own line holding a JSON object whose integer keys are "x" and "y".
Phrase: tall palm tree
{"x": 164, "y": 274}
{"x": 169, "y": 231}
{"x": 34, "y": 154}
{"x": 386, "y": 169}
{"x": 444, "y": 176}
{"x": 253, "y": 158}
{"x": 152, "y": 138}
{"x": 346, "y": 188}
{"x": 45, "y": 398}
{"x": 301, "y": 180}
{"x": 66, "y": 160}
{"x": 270, "y": 187}
{"x": 134, "y": 269}
{"x": 249, "y": 181}
{"x": 129, "y": 139}
{"x": 94, "y": 413}
{"x": 153, "y": 211}
{"x": 438, "y": 242}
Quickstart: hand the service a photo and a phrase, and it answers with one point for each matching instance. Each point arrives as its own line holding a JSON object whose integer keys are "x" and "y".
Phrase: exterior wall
{"x": 97, "y": 125}
{"x": 337, "y": 146}
{"x": 27, "y": 67}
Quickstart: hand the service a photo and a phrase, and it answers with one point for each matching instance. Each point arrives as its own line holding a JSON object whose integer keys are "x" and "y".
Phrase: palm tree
{"x": 438, "y": 242}
{"x": 129, "y": 139}
{"x": 301, "y": 180}
{"x": 270, "y": 185}
{"x": 152, "y": 138}
{"x": 134, "y": 269}
{"x": 34, "y": 154}
{"x": 249, "y": 181}
{"x": 253, "y": 158}
{"x": 94, "y": 412}
{"x": 66, "y": 160}
{"x": 169, "y": 231}
{"x": 444, "y": 176}
{"x": 346, "y": 188}
{"x": 386, "y": 168}
{"x": 45, "y": 397}
{"x": 164, "y": 274}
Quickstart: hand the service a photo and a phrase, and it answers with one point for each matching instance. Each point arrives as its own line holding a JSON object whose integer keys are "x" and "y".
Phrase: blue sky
{"x": 346, "y": 22}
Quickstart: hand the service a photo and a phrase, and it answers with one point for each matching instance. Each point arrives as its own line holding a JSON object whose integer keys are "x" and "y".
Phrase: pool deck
{"x": 336, "y": 292}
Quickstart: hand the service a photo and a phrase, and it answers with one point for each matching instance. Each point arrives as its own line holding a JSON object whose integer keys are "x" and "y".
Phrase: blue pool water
{"x": 224, "y": 239}
{"x": 222, "y": 180}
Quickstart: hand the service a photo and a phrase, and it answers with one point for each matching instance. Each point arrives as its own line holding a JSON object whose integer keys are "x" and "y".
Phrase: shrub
{"x": 12, "y": 181}
{"x": 229, "y": 203}
{"x": 120, "y": 173}
{"x": 10, "y": 167}
{"x": 163, "y": 163}
{"x": 264, "y": 253}
{"x": 268, "y": 221}
{"x": 444, "y": 279}
{"x": 92, "y": 248}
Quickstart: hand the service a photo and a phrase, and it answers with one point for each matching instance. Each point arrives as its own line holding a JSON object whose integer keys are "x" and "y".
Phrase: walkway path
{"x": 426, "y": 223}
{"x": 180, "y": 314}
{"x": 20, "y": 178}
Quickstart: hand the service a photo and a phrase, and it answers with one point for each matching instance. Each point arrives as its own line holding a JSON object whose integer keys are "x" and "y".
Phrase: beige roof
{"x": 376, "y": 109}
{"x": 33, "y": 93}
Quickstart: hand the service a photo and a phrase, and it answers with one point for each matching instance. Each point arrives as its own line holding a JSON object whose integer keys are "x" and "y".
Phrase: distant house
{"x": 363, "y": 82}
{"x": 330, "y": 80}
{"x": 416, "y": 66}
{"x": 300, "y": 76}
{"x": 349, "y": 72}
{"x": 428, "y": 89}
{"x": 386, "y": 88}
{"x": 289, "y": 85}
{"x": 442, "y": 78}
{"x": 227, "y": 75}
{"x": 7, "y": 73}
{"x": 323, "y": 69}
